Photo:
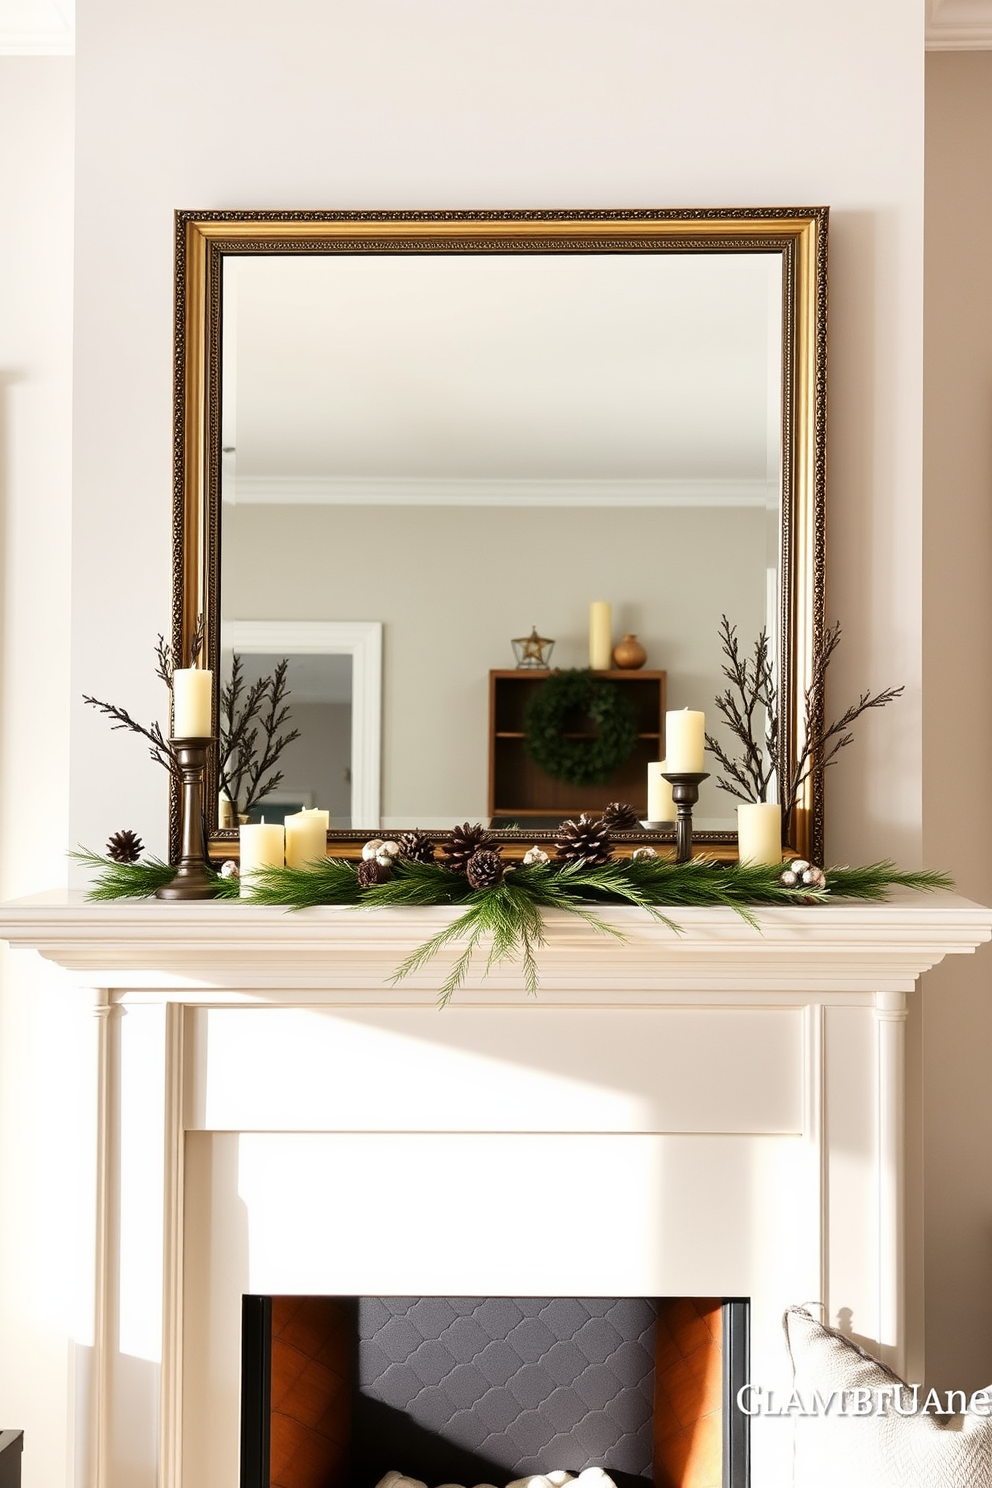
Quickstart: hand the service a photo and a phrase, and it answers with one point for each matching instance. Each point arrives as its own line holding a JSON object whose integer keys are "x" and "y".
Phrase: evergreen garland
{"x": 509, "y": 913}
{"x": 579, "y": 761}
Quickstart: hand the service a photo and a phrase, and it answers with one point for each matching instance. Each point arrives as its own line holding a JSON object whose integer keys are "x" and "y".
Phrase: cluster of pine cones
{"x": 475, "y": 852}
{"x": 378, "y": 856}
{"x": 587, "y": 841}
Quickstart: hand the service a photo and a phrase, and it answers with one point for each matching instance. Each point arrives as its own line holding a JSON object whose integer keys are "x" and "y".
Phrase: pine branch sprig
{"x": 123, "y": 880}
{"x": 874, "y": 880}
{"x": 140, "y": 880}
{"x": 329, "y": 882}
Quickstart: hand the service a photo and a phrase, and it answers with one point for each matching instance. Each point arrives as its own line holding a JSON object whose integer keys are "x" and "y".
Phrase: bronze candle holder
{"x": 685, "y": 794}
{"x": 192, "y": 880}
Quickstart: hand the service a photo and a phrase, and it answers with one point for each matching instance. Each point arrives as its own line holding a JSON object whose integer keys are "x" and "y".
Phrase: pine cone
{"x": 417, "y": 847}
{"x": 620, "y": 816}
{"x": 485, "y": 868}
{"x": 463, "y": 842}
{"x": 371, "y": 871}
{"x": 586, "y": 841}
{"x": 125, "y": 847}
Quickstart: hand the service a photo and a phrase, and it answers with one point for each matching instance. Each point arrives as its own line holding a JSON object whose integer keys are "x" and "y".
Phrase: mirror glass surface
{"x": 456, "y": 448}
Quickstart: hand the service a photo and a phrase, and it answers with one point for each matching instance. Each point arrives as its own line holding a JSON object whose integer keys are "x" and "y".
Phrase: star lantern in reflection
{"x": 532, "y": 651}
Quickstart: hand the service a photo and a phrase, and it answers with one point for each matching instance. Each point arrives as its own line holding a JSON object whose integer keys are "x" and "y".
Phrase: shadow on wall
{"x": 8, "y": 378}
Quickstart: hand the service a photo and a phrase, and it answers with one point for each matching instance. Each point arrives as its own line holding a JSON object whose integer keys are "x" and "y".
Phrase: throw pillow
{"x": 899, "y": 1441}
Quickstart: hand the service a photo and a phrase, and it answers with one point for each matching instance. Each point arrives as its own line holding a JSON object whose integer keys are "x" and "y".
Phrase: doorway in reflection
{"x": 316, "y": 767}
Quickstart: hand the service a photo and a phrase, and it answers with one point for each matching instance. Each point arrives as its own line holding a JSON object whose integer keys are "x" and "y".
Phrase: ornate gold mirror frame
{"x": 798, "y": 234}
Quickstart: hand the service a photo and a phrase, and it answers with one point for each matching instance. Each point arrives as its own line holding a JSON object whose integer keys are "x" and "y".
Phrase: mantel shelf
{"x": 190, "y": 950}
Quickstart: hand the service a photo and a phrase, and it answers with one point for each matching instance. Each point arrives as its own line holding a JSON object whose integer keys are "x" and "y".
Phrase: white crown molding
{"x": 37, "y": 28}
{"x": 412, "y": 490}
{"x": 959, "y": 25}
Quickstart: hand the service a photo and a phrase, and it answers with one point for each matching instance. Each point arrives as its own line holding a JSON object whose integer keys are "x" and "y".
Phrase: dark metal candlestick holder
{"x": 685, "y": 794}
{"x": 192, "y": 880}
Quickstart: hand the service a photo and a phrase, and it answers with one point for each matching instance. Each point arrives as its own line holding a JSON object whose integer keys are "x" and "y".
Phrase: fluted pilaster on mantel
{"x": 840, "y": 947}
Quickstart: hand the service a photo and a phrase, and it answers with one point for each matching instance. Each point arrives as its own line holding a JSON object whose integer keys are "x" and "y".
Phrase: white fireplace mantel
{"x": 736, "y": 1091}
{"x": 839, "y": 947}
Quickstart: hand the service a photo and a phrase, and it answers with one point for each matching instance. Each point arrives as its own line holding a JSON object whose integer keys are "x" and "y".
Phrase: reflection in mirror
{"x": 334, "y": 689}
{"x": 454, "y": 448}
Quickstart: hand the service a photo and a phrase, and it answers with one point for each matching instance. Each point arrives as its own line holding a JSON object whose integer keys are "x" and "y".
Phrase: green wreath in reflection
{"x": 557, "y": 732}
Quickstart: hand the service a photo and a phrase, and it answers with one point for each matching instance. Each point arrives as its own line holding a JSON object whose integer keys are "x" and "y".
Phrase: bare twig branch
{"x": 159, "y": 749}
{"x": 196, "y": 641}
{"x": 748, "y": 707}
{"x": 166, "y": 665}
{"x": 246, "y": 766}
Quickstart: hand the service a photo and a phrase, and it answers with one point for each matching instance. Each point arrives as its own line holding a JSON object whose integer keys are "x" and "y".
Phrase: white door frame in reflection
{"x": 362, "y": 641}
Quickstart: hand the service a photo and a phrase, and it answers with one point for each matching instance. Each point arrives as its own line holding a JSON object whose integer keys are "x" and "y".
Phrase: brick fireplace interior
{"x": 336, "y": 1391}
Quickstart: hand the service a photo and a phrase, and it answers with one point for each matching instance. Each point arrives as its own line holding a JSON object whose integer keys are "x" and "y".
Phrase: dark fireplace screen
{"x": 336, "y": 1391}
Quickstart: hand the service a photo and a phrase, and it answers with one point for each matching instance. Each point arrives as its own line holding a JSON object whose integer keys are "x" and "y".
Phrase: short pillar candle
{"x": 685, "y": 741}
{"x": 759, "y": 832}
{"x": 306, "y": 837}
{"x": 263, "y": 845}
{"x": 661, "y": 804}
{"x": 192, "y": 700}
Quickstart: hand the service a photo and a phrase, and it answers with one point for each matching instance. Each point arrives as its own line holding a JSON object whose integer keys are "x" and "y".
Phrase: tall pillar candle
{"x": 263, "y": 845}
{"x": 306, "y": 837}
{"x": 685, "y": 741}
{"x": 759, "y": 832}
{"x": 192, "y": 697}
{"x": 600, "y": 635}
{"x": 661, "y": 806}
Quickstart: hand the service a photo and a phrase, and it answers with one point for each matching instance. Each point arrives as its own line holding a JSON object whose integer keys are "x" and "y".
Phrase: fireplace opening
{"x": 338, "y": 1391}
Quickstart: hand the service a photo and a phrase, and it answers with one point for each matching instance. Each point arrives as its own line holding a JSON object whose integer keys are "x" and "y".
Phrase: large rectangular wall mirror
{"x": 402, "y": 440}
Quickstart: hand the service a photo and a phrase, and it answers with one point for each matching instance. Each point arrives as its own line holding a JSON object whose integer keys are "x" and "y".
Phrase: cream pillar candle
{"x": 306, "y": 837}
{"x": 263, "y": 845}
{"x": 324, "y": 817}
{"x": 600, "y": 635}
{"x": 661, "y": 806}
{"x": 192, "y": 695}
{"x": 759, "y": 832}
{"x": 684, "y": 742}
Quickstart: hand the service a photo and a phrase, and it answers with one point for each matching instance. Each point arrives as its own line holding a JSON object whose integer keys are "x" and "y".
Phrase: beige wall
{"x": 452, "y": 584}
{"x": 45, "y": 1028}
{"x": 453, "y": 105}
{"x": 320, "y": 759}
{"x": 532, "y": 102}
{"x": 957, "y": 998}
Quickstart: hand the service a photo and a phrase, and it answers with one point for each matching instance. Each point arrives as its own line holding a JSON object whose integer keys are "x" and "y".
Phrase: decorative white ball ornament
{"x": 536, "y": 855}
{"x": 229, "y": 869}
{"x": 372, "y": 848}
{"x": 788, "y": 879}
{"x": 644, "y": 852}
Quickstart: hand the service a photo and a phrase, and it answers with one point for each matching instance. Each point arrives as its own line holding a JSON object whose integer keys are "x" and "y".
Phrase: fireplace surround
{"x": 712, "y": 1114}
